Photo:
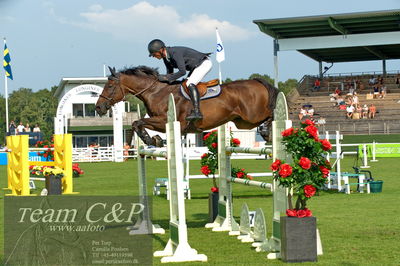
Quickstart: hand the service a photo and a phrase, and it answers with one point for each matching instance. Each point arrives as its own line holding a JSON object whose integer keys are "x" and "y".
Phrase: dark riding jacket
{"x": 184, "y": 59}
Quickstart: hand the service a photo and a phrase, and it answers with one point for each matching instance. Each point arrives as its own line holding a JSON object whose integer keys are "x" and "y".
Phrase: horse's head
{"x": 112, "y": 93}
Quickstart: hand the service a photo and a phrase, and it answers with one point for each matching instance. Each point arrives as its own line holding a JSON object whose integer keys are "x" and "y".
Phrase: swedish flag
{"x": 6, "y": 62}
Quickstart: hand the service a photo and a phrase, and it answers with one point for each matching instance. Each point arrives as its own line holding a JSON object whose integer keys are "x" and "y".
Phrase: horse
{"x": 247, "y": 103}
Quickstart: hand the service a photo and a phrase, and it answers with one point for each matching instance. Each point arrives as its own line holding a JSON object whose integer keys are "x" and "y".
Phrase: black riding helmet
{"x": 155, "y": 46}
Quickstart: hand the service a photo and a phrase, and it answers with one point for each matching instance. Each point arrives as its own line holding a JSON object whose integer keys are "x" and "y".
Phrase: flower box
{"x": 53, "y": 185}
{"x": 298, "y": 239}
{"x": 213, "y": 198}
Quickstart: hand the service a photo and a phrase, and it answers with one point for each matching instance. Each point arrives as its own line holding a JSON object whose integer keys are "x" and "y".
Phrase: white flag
{"x": 220, "y": 54}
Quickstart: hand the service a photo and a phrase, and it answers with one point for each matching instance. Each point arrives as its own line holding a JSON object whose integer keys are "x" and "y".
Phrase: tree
{"x": 31, "y": 107}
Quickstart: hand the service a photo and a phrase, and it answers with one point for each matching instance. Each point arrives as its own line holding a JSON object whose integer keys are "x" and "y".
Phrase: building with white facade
{"x": 76, "y": 114}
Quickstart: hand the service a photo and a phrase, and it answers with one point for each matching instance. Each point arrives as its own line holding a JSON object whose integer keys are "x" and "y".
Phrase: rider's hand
{"x": 163, "y": 78}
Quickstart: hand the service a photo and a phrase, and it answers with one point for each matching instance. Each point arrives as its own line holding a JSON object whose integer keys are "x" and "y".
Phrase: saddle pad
{"x": 211, "y": 92}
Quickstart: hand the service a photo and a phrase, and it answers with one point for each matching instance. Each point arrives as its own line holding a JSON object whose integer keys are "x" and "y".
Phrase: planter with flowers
{"x": 209, "y": 166}
{"x": 304, "y": 177}
{"x": 53, "y": 177}
{"x": 46, "y": 144}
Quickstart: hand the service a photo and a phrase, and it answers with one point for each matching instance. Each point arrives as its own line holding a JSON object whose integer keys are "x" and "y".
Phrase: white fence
{"x": 106, "y": 154}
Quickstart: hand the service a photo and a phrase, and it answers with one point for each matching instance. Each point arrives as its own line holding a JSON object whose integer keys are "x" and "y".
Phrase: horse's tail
{"x": 272, "y": 92}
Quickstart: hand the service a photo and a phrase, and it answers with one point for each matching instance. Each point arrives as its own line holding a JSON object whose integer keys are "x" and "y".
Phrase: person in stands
{"x": 350, "y": 110}
{"x": 364, "y": 114}
{"x": 12, "y": 128}
{"x": 27, "y": 128}
{"x": 372, "y": 111}
{"x": 184, "y": 59}
{"x": 36, "y": 128}
{"x": 317, "y": 85}
{"x": 302, "y": 113}
{"x": 20, "y": 128}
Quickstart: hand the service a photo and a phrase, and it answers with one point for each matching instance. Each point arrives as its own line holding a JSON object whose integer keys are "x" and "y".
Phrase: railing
{"x": 366, "y": 128}
{"x": 353, "y": 74}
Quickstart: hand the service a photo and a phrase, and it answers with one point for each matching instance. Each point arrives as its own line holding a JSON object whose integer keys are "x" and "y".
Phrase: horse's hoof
{"x": 158, "y": 141}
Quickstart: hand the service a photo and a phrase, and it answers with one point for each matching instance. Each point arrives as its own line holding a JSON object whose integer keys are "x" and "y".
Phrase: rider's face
{"x": 158, "y": 54}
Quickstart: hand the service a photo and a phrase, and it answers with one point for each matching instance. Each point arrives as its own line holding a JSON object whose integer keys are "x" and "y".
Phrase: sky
{"x": 52, "y": 39}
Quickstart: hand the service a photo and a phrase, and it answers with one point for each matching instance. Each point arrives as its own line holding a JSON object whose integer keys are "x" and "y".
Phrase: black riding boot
{"x": 195, "y": 97}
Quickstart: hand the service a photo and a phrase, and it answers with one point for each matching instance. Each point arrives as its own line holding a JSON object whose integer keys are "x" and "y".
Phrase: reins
{"x": 140, "y": 92}
{"x": 123, "y": 87}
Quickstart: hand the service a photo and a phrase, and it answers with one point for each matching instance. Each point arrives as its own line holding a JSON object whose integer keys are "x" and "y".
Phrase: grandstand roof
{"x": 339, "y": 37}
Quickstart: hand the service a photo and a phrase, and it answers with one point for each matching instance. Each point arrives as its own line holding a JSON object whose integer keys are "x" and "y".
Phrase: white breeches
{"x": 199, "y": 72}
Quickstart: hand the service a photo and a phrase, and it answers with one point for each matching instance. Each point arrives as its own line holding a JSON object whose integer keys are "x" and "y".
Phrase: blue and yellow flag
{"x": 6, "y": 62}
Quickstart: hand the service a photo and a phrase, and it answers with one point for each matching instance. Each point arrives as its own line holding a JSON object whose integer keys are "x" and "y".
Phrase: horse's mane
{"x": 141, "y": 71}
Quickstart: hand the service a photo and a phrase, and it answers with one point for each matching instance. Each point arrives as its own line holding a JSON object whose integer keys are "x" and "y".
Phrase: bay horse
{"x": 247, "y": 103}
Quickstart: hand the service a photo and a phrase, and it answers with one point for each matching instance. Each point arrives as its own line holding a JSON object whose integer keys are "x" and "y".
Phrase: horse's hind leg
{"x": 265, "y": 130}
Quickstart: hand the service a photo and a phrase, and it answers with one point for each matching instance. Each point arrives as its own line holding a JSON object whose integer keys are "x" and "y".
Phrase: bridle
{"x": 123, "y": 88}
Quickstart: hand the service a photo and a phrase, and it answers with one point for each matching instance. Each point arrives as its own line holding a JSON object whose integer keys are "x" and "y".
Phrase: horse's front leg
{"x": 154, "y": 123}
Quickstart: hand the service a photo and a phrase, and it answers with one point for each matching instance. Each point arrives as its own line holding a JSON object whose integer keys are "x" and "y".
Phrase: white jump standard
{"x": 225, "y": 220}
{"x": 177, "y": 248}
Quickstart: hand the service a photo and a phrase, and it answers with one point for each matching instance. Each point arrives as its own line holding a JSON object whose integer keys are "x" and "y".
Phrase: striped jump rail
{"x": 256, "y": 150}
{"x": 154, "y": 153}
{"x": 250, "y": 183}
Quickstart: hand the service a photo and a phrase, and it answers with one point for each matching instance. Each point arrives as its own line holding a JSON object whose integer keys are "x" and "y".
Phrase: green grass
{"x": 370, "y": 138}
{"x": 355, "y": 229}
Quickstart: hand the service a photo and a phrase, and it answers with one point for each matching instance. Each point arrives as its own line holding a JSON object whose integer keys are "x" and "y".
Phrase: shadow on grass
{"x": 239, "y": 196}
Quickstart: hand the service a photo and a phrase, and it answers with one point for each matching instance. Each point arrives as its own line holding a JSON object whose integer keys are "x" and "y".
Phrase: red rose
{"x": 240, "y": 174}
{"x": 205, "y": 170}
{"x": 313, "y": 131}
{"x": 204, "y": 155}
{"x": 326, "y": 145}
{"x": 206, "y": 136}
{"x": 287, "y": 132}
{"x": 291, "y": 212}
{"x": 309, "y": 190}
{"x": 309, "y": 122}
{"x": 324, "y": 171}
{"x": 214, "y": 145}
{"x": 308, "y": 212}
{"x": 214, "y": 189}
{"x": 236, "y": 141}
{"x": 275, "y": 165}
{"x": 286, "y": 170}
{"x": 301, "y": 213}
{"x": 305, "y": 163}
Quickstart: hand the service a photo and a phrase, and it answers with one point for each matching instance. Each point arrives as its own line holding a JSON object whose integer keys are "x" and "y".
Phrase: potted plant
{"x": 209, "y": 166}
{"x": 76, "y": 170}
{"x": 53, "y": 177}
{"x": 303, "y": 177}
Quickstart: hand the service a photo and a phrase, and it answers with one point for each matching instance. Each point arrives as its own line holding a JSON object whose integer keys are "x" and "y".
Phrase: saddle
{"x": 202, "y": 86}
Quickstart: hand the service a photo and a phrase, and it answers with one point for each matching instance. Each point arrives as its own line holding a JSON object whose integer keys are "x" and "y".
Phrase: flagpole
{"x": 220, "y": 75}
{"x": 6, "y": 96}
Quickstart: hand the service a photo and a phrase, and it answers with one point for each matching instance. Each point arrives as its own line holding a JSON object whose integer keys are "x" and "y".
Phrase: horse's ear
{"x": 112, "y": 71}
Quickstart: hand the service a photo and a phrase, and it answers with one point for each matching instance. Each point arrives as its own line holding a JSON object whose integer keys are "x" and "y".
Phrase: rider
{"x": 184, "y": 59}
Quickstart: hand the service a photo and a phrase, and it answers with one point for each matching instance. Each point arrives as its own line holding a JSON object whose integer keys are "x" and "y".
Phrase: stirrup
{"x": 193, "y": 116}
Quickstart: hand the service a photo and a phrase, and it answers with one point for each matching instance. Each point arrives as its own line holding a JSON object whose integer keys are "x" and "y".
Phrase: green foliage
{"x": 309, "y": 170}
{"x": 31, "y": 107}
{"x": 209, "y": 160}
